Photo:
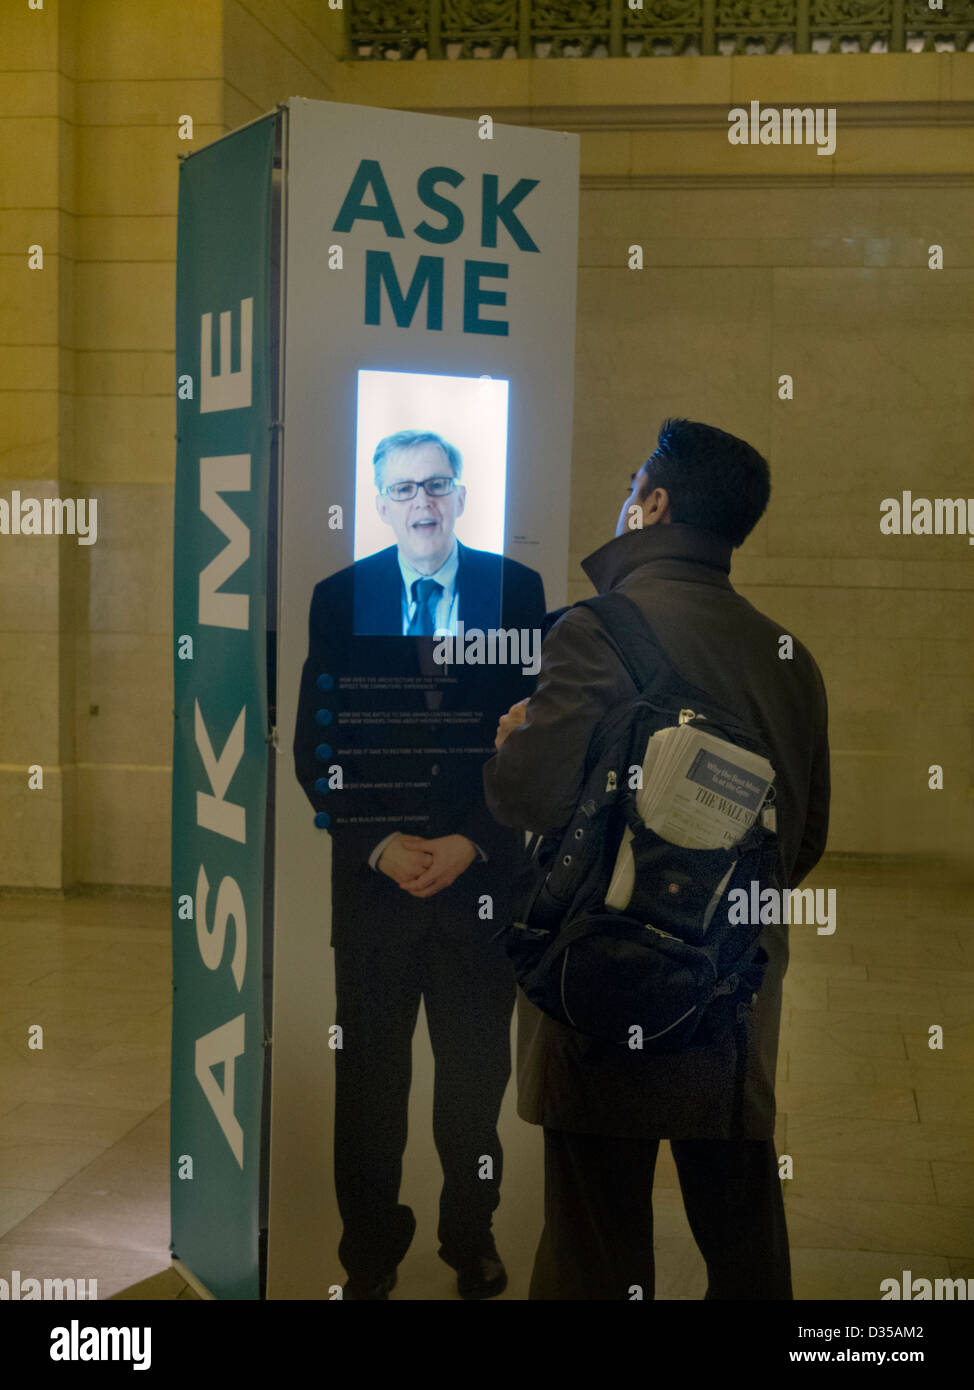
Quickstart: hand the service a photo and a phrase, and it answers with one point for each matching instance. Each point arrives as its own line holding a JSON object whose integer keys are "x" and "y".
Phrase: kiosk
{"x": 344, "y": 274}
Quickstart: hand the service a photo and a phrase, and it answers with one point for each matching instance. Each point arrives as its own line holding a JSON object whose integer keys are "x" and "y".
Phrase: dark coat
{"x": 679, "y": 577}
{"x": 419, "y": 769}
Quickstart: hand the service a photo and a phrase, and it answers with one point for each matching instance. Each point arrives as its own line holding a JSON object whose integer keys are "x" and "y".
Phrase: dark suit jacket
{"x": 377, "y": 586}
{"x": 679, "y": 577}
{"x": 431, "y": 785}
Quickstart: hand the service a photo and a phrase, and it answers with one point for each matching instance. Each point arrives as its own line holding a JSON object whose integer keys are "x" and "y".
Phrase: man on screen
{"x": 415, "y": 587}
{"x": 421, "y": 872}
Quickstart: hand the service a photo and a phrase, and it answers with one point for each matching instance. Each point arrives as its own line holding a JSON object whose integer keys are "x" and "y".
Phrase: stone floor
{"x": 880, "y": 1128}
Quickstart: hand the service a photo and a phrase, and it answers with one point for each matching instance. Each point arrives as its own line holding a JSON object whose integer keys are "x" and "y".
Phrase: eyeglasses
{"x": 433, "y": 487}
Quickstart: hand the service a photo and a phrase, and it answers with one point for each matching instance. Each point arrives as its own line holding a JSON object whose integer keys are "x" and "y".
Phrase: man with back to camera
{"x": 604, "y": 1110}
{"x": 413, "y": 863}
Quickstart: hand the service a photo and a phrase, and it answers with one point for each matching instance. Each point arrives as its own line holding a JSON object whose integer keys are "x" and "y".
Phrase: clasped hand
{"x": 424, "y": 867}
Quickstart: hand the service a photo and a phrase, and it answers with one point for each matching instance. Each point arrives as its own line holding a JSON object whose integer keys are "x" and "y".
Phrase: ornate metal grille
{"x": 418, "y": 29}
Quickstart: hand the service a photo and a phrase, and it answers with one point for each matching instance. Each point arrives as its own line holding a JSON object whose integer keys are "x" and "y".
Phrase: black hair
{"x": 714, "y": 480}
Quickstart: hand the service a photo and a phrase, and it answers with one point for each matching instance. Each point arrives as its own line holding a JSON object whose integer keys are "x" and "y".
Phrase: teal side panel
{"x": 220, "y": 748}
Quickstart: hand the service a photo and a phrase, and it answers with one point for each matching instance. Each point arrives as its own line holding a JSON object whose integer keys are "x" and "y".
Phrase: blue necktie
{"x": 426, "y": 593}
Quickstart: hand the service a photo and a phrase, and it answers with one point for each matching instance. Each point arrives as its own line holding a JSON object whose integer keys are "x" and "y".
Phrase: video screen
{"x": 431, "y": 476}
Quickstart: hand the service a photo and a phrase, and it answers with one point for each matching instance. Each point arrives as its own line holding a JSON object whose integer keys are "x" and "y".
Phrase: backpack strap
{"x": 636, "y": 644}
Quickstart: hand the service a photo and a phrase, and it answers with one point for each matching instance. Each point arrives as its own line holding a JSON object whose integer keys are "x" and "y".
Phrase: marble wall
{"x": 757, "y": 262}
{"x": 36, "y": 444}
{"x": 740, "y": 287}
{"x": 90, "y": 102}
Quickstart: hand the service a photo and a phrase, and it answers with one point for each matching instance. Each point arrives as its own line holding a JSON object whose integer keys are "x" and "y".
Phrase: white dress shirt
{"x": 447, "y": 605}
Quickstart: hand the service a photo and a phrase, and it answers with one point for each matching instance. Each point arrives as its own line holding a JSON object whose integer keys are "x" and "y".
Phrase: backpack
{"x": 669, "y": 973}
